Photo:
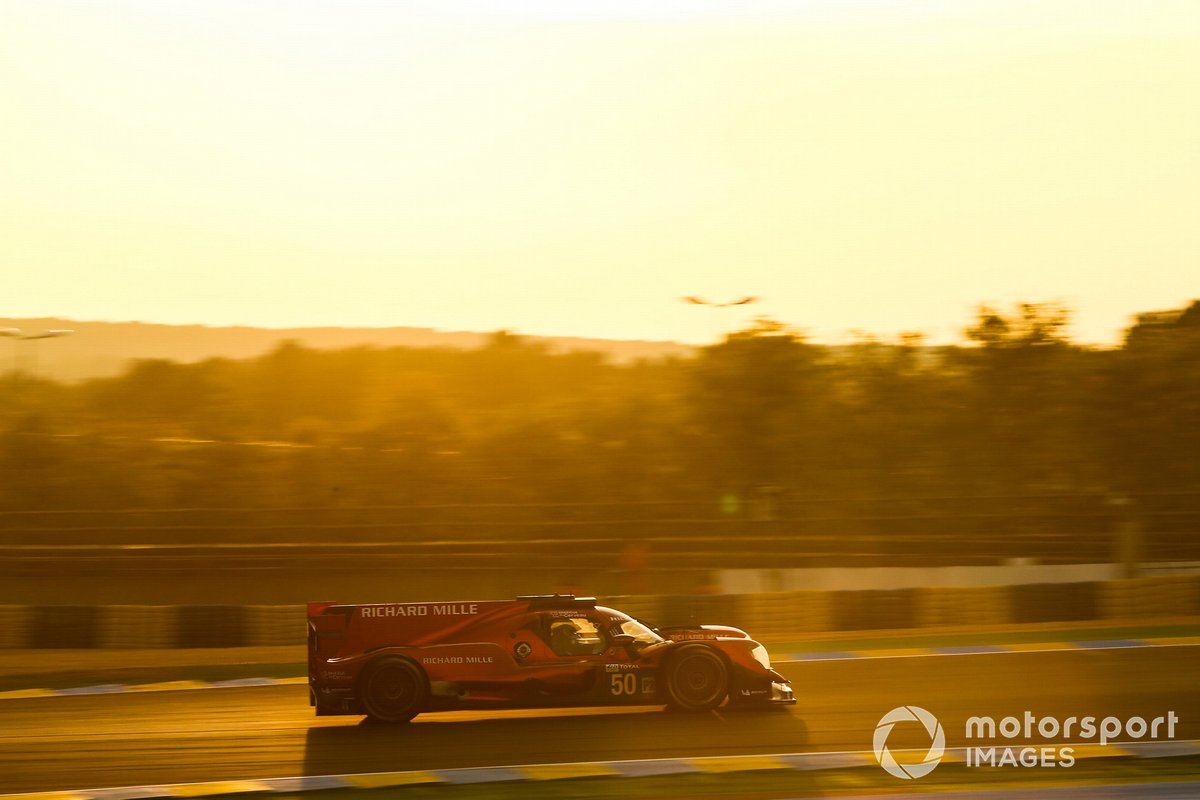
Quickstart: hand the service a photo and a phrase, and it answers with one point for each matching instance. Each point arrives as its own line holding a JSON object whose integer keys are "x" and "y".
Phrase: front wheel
{"x": 393, "y": 689}
{"x": 697, "y": 679}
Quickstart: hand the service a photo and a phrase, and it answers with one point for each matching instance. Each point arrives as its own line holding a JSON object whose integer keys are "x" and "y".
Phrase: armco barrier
{"x": 1054, "y": 602}
{"x": 768, "y": 616}
{"x": 967, "y": 605}
{"x": 1167, "y": 594}
{"x": 14, "y": 627}
{"x": 137, "y": 627}
{"x": 64, "y": 627}
{"x": 775, "y": 614}
{"x": 873, "y": 609}
{"x": 983, "y": 605}
{"x": 211, "y": 626}
{"x": 274, "y": 625}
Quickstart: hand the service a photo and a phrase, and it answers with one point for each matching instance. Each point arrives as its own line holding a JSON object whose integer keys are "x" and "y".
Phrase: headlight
{"x": 760, "y": 655}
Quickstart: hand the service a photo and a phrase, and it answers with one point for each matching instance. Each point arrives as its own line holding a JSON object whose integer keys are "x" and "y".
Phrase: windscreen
{"x": 640, "y": 633}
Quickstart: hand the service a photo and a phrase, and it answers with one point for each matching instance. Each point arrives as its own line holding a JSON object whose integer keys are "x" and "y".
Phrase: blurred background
{"x": 376, "y": 473}
{"x": 1001, "y": 194}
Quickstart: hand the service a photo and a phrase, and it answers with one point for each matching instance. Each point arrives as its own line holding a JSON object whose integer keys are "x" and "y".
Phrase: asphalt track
{"x": 77, "y": 742}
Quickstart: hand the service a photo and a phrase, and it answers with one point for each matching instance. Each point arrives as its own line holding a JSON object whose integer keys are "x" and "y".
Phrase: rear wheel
{"x": 393, "y": 689}
{"x": 697, "y": 679}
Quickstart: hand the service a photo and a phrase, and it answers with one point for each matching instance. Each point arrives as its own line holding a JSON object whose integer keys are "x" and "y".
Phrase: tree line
{"x": 1018, "y": 408}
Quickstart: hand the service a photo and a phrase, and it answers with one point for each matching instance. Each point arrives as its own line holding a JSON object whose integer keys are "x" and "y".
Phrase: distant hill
{"x": 97, "y": 349}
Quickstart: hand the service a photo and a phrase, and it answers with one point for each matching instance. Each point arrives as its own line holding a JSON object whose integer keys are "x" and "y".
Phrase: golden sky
{"x": 575, "y": 167}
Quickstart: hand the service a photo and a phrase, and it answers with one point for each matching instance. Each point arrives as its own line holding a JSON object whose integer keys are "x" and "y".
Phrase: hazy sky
{"x": 575, "y": 167}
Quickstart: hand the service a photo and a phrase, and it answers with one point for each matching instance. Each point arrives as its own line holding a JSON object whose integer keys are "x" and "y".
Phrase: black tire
{"x": 697, "y": 679}
{"x": 393, "y": 689}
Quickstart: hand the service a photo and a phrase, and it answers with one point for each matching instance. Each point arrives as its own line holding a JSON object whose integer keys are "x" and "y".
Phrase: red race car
{"x": 394, "y": 661}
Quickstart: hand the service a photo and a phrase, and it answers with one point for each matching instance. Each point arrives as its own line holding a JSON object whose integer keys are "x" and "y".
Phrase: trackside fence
{"x": 784, "y": 532}
{"x": 768, "y": 616}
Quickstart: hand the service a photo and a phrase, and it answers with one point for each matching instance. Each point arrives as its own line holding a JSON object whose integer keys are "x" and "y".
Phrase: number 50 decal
{"x": 624, "y": 684}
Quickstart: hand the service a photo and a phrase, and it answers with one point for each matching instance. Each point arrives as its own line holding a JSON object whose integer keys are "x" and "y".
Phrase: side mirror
{"x": 623, "y": 640}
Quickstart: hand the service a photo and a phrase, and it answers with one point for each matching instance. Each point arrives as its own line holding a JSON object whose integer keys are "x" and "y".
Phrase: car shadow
{"x": 452, "y": 740}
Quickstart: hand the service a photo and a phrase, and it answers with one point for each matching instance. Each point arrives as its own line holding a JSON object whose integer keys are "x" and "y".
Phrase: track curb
{"x": 552, "y": 772}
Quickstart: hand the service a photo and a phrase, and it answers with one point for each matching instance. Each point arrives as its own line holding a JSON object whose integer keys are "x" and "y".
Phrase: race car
{"x": 394, "y": 661}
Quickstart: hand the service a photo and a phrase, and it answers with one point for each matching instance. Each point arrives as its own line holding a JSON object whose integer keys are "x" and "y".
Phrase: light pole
{"x": 700, "y": 301}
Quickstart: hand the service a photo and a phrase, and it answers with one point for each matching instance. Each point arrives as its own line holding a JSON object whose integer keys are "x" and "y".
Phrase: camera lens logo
{"x": 937, "y": 745}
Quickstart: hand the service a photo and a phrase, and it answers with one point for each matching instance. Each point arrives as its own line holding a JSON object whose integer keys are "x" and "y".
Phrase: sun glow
{"x": 573, "y": 168}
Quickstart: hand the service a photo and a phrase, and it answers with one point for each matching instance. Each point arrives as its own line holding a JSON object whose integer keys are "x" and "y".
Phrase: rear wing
{"x": 316, "y": 609}
{"x": 325, "y": 632}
